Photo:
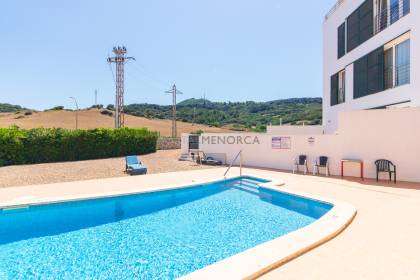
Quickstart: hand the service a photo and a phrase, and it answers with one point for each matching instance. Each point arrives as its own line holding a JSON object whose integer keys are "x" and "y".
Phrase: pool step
{"x": 248, "y": 187}
{"x": 251, "y": 181}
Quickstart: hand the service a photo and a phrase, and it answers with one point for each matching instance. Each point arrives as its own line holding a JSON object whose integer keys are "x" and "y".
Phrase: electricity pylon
{"x": 119, "y": 59}
{"x": 174, "y": 92}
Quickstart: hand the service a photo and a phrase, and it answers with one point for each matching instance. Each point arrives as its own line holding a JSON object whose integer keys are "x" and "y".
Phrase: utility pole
{"x": 77, "y": 111}
{"x": 96, "y": 98}
{"x": 119, "y": 59}
{"x": 174, "y": 92}
{"x": 194, "y": 112}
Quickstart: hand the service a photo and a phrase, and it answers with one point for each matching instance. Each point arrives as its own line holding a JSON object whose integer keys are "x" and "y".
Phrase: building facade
{"x": 371, "y": 57}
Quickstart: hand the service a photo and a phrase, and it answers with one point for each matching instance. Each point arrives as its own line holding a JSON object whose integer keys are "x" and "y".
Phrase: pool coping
{"x": 250, "y": 263}
{"x": 261, "y": 259}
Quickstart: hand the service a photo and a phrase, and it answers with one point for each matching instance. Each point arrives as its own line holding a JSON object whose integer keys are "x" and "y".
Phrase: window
{"x": 384, "y": 68}
{"x": 406, "y": 7}
{"x": 395, "y": 10}
{"x": 342, "y": 87}
{"x": 341, "y": 40}
{"x": 370, "y": 18}
{"x": 402, "y": 63}
{"x": 397, "y": 62}
{"x": 194, "y": 142}
{"x": 338, "y": 92}
{"x": 381, "y": 10}
{"x": 398, "y": 9}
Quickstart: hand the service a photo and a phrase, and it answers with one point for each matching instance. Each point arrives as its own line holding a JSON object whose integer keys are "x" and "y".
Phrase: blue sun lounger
{"x": 133, "y": 166}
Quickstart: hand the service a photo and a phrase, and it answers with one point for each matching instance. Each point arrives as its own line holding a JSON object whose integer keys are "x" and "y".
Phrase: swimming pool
{"x": 159, "y": 235}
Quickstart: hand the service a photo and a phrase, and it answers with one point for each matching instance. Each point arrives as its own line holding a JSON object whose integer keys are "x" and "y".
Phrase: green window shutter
{"x": 360, "y": 25}
{"x": 334, "y": 89}
{"x": 376, "y": 69}
{"x": 353, "y": 31}
{"x": 369, "y": 74}
{"x": 360, "y": 81}
{"x": 366, "y": 21}
{"x": 341, "y": 36}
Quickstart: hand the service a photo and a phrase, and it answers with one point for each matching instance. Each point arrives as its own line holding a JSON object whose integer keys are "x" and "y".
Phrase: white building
{"x": 371, "y": 57}
{"x": 371, "y": 61}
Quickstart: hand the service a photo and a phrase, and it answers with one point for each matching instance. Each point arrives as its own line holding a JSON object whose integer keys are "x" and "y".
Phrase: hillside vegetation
{"x": 208, "y": 116}
{"x": 9, "y": 108}
{"x": 237, "y": 115}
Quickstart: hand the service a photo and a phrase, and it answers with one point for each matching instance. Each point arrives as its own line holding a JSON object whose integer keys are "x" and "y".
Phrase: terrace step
{"x": 185, "y": 157}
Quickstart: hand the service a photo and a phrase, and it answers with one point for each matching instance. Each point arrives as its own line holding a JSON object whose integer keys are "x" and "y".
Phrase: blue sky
{"x": 232, "y": 50}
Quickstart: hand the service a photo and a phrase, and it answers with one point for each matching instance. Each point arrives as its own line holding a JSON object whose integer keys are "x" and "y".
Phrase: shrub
{"x": 56, "y": 108}
{"x": 197, "y": 132}
{"x": 107, "y": 113}
{"x": 28, "y": 113}
{"x": 40, "y": 145}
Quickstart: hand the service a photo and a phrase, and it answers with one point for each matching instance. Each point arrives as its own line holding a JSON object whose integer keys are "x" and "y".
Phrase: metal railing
{"x": 341, "y": 98}
{"x": 395, "y": 76}
{"x": 334, "y": 8}
{"x": 389, "y": 15}
{"x": 233, "y": 162}
{"x": 402, "y": 75}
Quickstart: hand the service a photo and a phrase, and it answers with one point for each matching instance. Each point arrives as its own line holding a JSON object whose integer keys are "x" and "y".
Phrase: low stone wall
{"x": 166, "y": 143}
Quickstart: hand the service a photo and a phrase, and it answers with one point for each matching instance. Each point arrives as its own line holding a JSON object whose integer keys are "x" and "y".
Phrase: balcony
{"x": 391, "y": 14}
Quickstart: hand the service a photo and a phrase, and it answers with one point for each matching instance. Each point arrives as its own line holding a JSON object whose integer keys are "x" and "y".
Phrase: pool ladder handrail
{"x": 233, "y": 162}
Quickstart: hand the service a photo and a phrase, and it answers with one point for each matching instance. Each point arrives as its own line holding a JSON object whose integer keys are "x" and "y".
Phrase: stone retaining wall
{"x": 164, "y": 143}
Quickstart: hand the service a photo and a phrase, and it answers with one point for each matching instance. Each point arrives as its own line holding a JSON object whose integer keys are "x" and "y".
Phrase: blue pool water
{"x": 161, "y": 235}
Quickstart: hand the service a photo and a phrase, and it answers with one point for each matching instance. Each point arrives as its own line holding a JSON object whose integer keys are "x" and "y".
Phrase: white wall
{"x": 368, "y": 135}
{"x": 332, "y": 65}
{"x": 184, "y": 143}
{"x": 295, "y": 130}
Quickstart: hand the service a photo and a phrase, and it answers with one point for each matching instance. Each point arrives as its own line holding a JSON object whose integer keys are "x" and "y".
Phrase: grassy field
{"x": 92, "y": 118}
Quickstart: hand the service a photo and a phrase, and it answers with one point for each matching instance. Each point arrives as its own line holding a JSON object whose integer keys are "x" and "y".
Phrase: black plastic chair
{"x": 301, "y": 161}
{"x": 386, "y": 166}
{"x": 322, "y": 162}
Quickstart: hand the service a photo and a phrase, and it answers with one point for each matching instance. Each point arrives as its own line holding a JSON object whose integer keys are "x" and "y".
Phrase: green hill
{"x": 8, "y": 108}
{"x": 237, "y": 115}
{"x": 234, "y": 115}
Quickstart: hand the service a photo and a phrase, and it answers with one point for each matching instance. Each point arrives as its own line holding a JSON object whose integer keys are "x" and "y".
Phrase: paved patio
{"x": 383, "y": 241}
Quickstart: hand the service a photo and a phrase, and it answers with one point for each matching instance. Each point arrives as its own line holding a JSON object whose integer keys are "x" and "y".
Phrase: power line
{"x": 137, "y": 76}
{"x": 112, "y": 72}
{"x": 148, "y": 75}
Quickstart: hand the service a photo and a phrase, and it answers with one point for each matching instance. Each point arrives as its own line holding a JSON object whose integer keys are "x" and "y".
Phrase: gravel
{"x": 36, "y": 174}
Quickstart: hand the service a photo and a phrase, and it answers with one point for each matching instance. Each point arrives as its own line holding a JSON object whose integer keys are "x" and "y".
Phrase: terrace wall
{"x": 368, "y": 135}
